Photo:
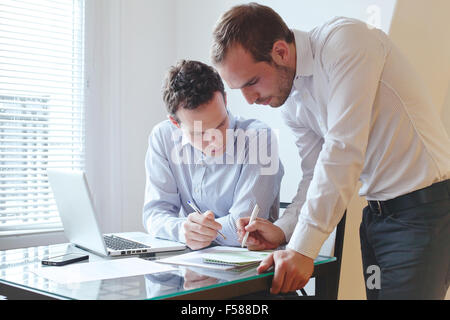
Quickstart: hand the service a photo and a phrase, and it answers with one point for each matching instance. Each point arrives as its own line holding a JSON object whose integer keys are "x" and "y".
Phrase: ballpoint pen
{"x": 196, "y": 209}
{"x": 252, "y": 218}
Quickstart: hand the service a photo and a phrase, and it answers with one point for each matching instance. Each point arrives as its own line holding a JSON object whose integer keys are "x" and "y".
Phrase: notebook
{"x": 235, "y": 258}
{"x": 220, "y": 258}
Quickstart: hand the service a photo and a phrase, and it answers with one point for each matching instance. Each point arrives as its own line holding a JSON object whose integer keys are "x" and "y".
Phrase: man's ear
{"x": 172, "y": 119}
{"x": 280, "y": 52}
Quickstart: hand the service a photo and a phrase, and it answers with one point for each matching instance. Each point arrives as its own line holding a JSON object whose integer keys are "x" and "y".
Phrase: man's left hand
{"x": 292, "y": 270}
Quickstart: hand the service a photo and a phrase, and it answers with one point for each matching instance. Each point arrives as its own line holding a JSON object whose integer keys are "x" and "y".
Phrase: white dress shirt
{"x": 358, "y": 111}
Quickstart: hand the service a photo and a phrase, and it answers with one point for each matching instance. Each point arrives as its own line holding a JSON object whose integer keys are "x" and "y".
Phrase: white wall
{"x": 420, "y": 30}
{"x": 131, "y": 46}
{"x": 148, "y": 49}
{"x": 446, "y": 111}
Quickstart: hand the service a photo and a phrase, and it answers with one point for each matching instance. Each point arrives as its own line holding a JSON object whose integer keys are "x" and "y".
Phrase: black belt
{"x": 436, "y": 192}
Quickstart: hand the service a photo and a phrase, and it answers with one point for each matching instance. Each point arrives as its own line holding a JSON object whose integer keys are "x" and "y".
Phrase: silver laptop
{"x": 77, "y": 213}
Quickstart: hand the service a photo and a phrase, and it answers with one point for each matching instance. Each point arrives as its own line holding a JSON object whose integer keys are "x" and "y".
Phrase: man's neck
{"x": 293, "y": 60}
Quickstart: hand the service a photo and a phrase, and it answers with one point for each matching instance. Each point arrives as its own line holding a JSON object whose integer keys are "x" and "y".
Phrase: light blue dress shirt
{"x": 228, "y": 185}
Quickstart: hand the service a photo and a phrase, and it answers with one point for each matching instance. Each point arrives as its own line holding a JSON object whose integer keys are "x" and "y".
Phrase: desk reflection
{"x": 189, "y": 278}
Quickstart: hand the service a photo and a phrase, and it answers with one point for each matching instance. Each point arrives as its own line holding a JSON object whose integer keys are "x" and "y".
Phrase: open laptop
{"x": 77, "y": 213}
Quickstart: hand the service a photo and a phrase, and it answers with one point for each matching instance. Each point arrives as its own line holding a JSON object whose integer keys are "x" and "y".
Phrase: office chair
{"x": 328, "y": 275}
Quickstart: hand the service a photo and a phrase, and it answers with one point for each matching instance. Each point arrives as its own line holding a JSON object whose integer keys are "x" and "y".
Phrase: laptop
{"x": 76, "y": 209}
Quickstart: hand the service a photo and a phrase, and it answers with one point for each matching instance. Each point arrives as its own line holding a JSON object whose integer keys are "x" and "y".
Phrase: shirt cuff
{"x": 307, "y": 240}
{"x": 181, "y": 237}
{"x": 287, "y": 227}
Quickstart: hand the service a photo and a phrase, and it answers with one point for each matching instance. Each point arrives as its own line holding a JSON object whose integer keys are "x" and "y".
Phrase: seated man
{"x": 205, "y": 155}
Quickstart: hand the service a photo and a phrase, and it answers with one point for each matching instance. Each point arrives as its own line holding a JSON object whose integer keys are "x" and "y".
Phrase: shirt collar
{"x": 184, "y": 140}
{"x": 304, "y": 54}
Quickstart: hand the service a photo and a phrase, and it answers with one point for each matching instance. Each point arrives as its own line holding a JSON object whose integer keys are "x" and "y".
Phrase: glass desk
{"x": 17, "y": 281}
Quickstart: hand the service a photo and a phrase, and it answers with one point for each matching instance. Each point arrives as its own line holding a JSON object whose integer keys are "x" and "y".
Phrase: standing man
{"x": 358, "y": 112}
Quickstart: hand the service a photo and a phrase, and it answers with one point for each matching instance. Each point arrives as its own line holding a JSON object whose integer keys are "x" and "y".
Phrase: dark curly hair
{"x": 190, "y": 84}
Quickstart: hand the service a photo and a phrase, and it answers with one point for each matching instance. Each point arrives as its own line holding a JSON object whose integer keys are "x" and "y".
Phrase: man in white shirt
{"x": 358, "y": 112}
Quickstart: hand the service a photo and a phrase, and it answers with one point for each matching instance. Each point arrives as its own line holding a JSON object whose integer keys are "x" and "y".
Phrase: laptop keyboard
{"x": 117, "y": 243}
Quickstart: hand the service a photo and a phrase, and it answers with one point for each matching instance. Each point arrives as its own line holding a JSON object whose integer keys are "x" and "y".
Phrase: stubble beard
{"x": 285, "y": 80}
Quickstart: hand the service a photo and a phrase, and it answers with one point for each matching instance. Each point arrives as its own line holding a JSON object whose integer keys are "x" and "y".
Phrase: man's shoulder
{"x": 321, "y": 34}
{"x": 164, "y": 129}
{"x": 165, "y": 132}
{"x": 252, "y": 131}
{"x": 251, "y": 124}
{"x": 290, "y": 109}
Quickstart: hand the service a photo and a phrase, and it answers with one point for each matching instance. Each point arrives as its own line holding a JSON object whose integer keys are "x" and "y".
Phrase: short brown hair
{"x": 254, "y": 26}
{"x": 190, "y": 84}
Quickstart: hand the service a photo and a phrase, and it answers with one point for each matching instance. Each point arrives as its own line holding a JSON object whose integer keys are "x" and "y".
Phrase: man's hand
{"x": 200, "y": 229}
{"x": 264, "y": 235}
{"x": 292, "y": 270}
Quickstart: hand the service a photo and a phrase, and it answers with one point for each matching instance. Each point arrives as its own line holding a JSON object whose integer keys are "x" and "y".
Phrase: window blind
{"x": 41, "y": 107}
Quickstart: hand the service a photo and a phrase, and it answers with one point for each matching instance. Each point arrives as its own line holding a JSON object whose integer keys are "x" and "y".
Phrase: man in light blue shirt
{"x": 224, "y": 164}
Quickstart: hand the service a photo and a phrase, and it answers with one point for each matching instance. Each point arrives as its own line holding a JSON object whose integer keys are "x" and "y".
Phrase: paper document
{"x": 100, "y": 270}
{"x": 218, "y": 258}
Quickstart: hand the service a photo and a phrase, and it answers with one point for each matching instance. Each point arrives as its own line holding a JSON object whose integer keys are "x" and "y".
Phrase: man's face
{"x": 205, "y": 127}
{"x": 260, "y": 82}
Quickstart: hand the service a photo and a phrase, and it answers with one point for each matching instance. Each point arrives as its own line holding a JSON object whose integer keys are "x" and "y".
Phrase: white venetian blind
{"x": 41, "y": 107}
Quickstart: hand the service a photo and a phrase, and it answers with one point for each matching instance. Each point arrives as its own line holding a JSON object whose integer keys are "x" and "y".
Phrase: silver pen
{"x": 252, "y": 218}
{"x": 196, "y": 209}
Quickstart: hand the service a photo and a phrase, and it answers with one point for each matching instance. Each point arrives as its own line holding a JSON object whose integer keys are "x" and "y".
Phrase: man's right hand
{"x": 264, "y": 235}
{"x": 200, "y": 230}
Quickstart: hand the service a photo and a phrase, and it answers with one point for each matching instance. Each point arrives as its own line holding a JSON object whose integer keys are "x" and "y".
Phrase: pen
{"x": 193, "y": 206}
{"x": 252, "y": 218}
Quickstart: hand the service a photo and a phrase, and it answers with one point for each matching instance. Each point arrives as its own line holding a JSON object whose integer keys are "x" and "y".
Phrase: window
{"x": 41, "y": 107}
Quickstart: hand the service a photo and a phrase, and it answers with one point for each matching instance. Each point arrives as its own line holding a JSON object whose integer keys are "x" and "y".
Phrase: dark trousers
{"x": 411, "y": 250}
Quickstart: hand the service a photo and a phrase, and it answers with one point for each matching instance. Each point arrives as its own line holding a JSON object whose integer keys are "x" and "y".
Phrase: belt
{"x": 436, "y": 192}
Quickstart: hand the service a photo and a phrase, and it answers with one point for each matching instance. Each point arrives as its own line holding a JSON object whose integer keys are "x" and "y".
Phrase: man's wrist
{"x": 307, "y": 239}
{"x": 299, "y": 254}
